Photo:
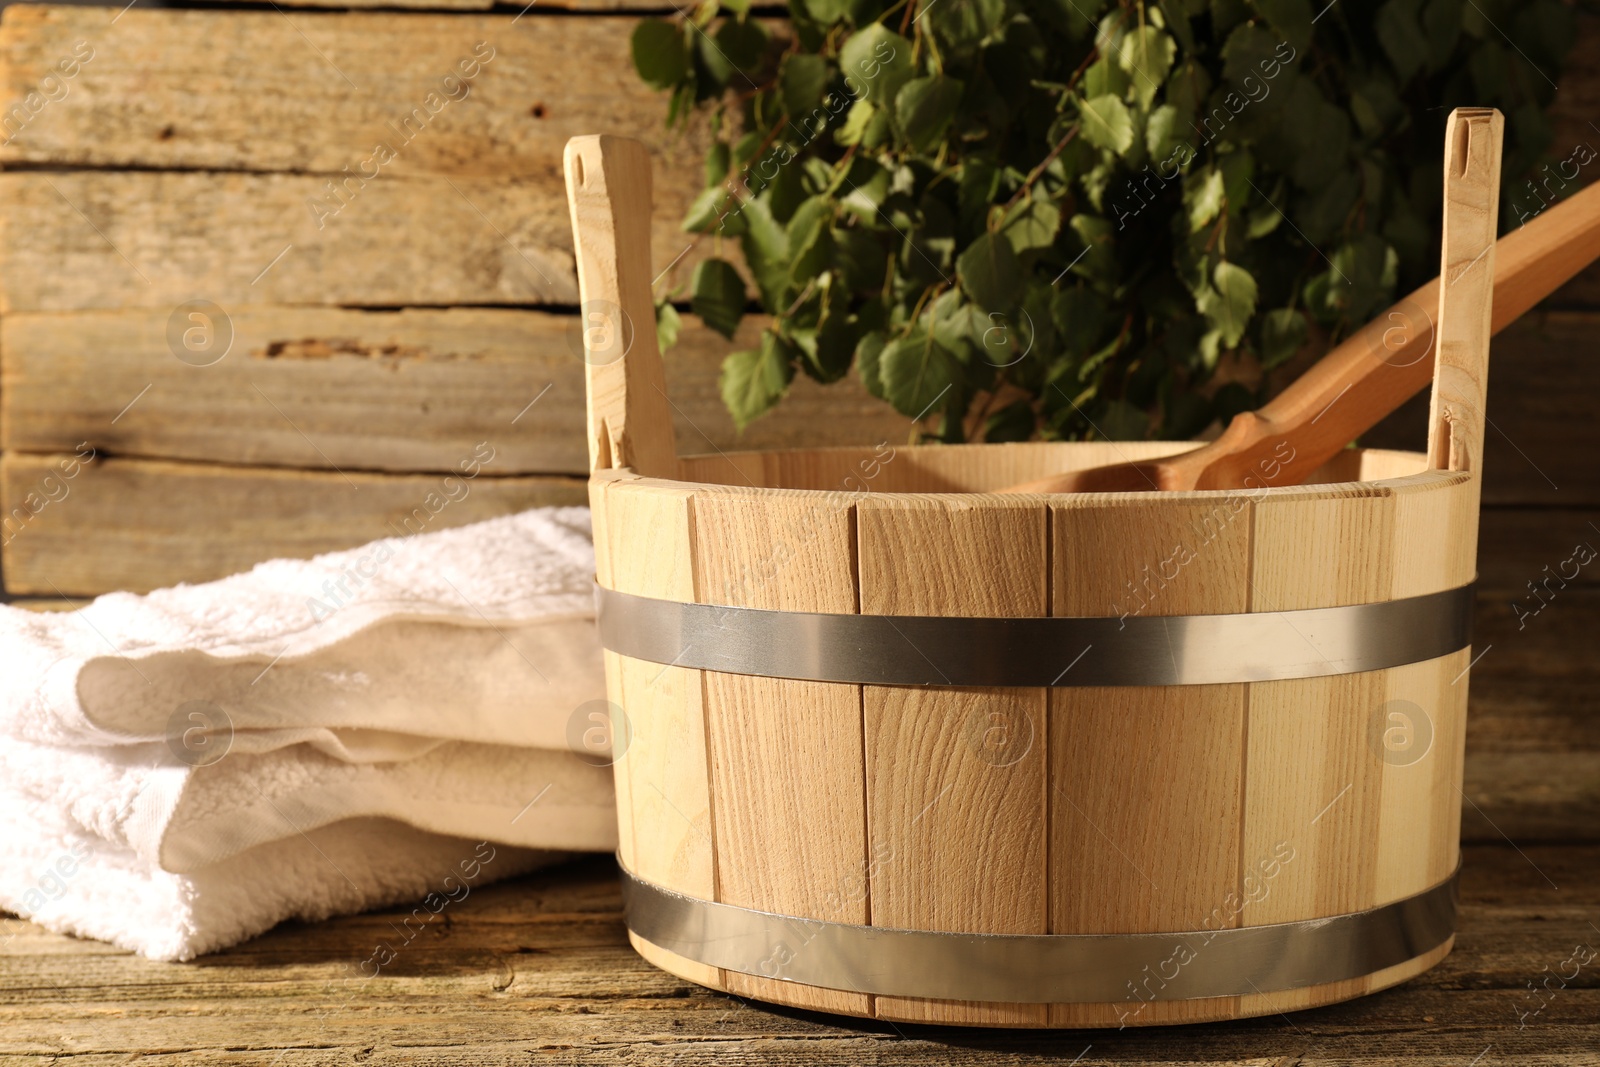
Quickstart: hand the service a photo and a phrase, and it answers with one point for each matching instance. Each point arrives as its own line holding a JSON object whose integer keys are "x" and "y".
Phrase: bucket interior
{"x": 891, "y": 468}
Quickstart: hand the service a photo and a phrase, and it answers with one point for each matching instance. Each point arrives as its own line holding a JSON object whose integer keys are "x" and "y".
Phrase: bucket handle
{"x": 1466, "y": 289}
{"x": 608, "y": 192}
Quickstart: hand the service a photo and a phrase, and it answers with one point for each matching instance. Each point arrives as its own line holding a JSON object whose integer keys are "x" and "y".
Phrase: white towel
{"x": 185, "y": 769}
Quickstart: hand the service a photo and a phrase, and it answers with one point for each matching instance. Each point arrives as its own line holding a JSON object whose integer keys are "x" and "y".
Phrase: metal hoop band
{"x": 937, "y": 651}
{"x": 1042, "y": 968}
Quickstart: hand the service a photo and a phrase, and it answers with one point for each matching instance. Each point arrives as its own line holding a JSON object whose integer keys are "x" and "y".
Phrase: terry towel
{"x": 185, "y": 769}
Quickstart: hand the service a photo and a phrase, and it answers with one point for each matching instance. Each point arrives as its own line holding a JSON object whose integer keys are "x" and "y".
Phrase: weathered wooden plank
{"x": 77, "y": 528}
{"x": 316, "y": 92}
{"x": 540, "y": 967}
{"x": 463, "y": 5}
{"x": 413, "y": 390}
{"x": 151, "y": 239}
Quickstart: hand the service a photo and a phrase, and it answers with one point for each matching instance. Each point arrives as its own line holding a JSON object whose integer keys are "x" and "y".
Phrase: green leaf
{"x": 961, "y": 23}
{"x": 1228, "y": 307}
{"x": 1250, "y": 52}
{"x": 826, "y": 11}
{"x": 1032, "y": 224}
{"x": 1014, "y": 422}
{"x": 1225, "y": 13}
{"x": 1399, "y": 30}
{"x": 1262, "y": 220}
{"x": 766, "y": 251}
{"x": 1099, "y": 260}
{"x": 1105, "y": 77}
{"x": 990, "y": 273}
{"x": 1211, "y": 347}
{"x": 865, "y": 188}
{"x": 951, "y": 322}
{"x": 1360, "y": 279}
{"x": 861, "y": 258}
{"x": 737, "y": 47}
{"x": 659, "y": 53}
{"x": 924, "y": 107}
{"x": 1441, "y": 22}
{"x": 1490, "y": 69}
{"x": 1236, "y": 168}
{"x": 1291, "y": 18}
{"x": 1080, "y": 320}
{"x": 717, "y": 160}
{"x": 876, "y": 61}
{"x": 865, "y": 124}
{"x": 803, "y": 80}
{"x": 1188, "y": 90}
{"x": 975, "y": 192}
{"x": 916, "y": 372}
{"x": 810, "y": 246}
{"x": 717, "y": 295}
{"x": 752, "y": 382}
{"x": 827, "y": 350}
{"x": 1106, "y": 124}
{"x": 1203, "y": 196}
{"x": 1163, "y": 135}
{"x": 668, "y": 323}
{"x": 1283, "y": 333}
{"x": 1147, "y": 55}
{"x": 1121, "y": 421}
{"x": 868, "y": 351}
{"x": 714, "y": 210}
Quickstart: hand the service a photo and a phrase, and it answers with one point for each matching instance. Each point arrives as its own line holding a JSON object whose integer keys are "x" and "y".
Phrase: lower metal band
{"x": 1042, "y": 968}
{"x": 940, "y": 651}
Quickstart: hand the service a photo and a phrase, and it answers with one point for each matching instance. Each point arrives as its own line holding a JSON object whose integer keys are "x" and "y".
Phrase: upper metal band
{"x": 1142, "y": 650}
{"x": 1042, "y": 968}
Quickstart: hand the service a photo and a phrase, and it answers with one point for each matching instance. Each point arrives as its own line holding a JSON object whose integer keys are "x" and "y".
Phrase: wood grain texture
{"x": 1420, "y": 729}
{"x": 540, "y": 967}
{"x": 462, "y": 5}
{"x": 789, "y": 806}
{"x": 1456, "y": 425}
{"x": 1258, "y": 803}
{"x": 1313, "y": 797}
{"x": 600, "y": 531}
{"x": 663, "y": 773}
{"x": 1170, "y": 860}
{"x": 315, "y": 92}
{"x": 410, "y": 390}
{"x": 377, "y": 180}
{"x": 957, "y": 795}
{"x": 141, "y": 524}
{"x": 87, "y": 239}
{"x": 608, "y": 191}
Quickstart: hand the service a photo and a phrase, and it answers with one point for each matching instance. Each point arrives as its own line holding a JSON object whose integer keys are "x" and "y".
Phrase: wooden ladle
{"x": 1370, "y": 374}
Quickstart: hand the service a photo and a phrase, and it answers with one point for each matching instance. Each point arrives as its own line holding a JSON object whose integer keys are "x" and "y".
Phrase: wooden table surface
{"x": 539, "y": 970}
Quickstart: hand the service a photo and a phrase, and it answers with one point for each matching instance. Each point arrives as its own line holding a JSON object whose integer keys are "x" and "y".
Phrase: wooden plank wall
{"x": 373, "y": 355}
{"x": 394, "y": 324}
{"x": 361, "y": 337}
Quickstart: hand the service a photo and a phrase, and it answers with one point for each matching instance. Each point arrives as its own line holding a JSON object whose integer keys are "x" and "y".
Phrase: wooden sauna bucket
{"x": 900, "y": 748}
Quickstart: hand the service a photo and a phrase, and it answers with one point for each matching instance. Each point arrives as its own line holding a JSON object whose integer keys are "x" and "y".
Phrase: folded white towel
{"x": 183, "y": 752}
